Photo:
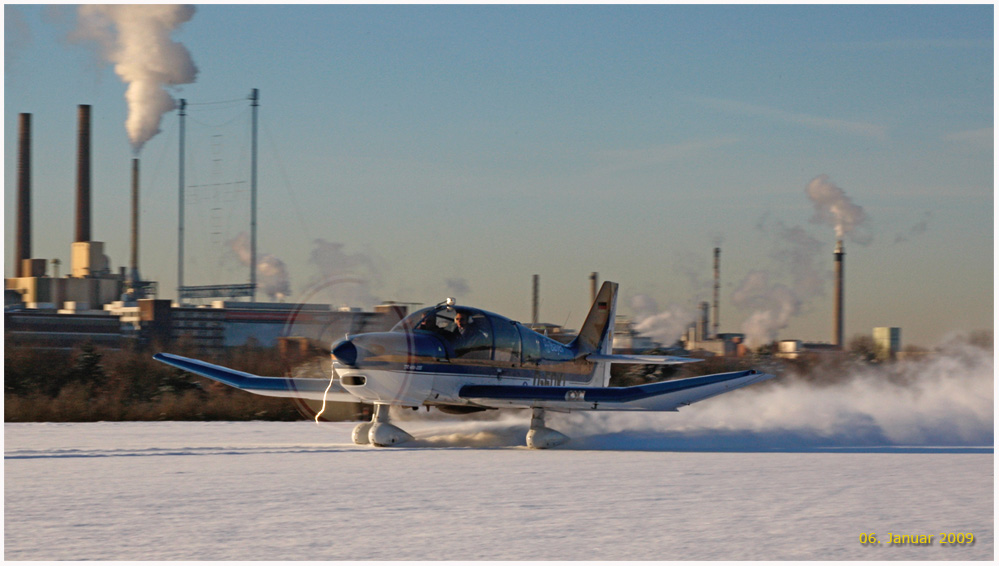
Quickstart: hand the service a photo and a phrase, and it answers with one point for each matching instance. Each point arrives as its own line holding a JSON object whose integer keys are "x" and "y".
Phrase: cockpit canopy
{"x": 441, "y": 319}
{"x": 473, "y": 334}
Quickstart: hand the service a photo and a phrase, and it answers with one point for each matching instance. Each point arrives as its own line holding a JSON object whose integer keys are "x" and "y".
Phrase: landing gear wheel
{"x": 360, "y": 435}
{"x": 381, "y": 433}
{"x": 541, "y": 436}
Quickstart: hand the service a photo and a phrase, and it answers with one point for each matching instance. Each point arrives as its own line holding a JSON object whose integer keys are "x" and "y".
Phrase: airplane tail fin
{"x": 596, "y": 336}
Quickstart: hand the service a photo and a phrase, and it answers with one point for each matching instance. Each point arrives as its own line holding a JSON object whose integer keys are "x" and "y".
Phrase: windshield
{"x": 438, "y": 320}
{"x": 467, "y": 332}
{"x": 412, "y": 321}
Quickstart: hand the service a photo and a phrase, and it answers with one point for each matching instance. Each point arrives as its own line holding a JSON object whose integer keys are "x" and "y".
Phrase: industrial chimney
{"x": 704, "y": 321}
{"x": 88, "y": 259}
{"x": 83, "y": 174}
{"x": 23, "y": 242}
{"x": 593, "y": 286}
{"x": 133, "y": 273}
{"x": 714, "y": 333}
{"x": 534, "y": 300}
{"x": 838, "y": 296}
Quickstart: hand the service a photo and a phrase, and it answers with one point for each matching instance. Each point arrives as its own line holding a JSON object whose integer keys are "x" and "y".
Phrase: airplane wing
{"x": 300, "y": 387}
{"x": 640, "y": 359}
{"x": 662, "y": 396}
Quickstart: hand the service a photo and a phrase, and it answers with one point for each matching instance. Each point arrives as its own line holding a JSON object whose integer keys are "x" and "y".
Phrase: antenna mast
{"x": 255, "y": 98}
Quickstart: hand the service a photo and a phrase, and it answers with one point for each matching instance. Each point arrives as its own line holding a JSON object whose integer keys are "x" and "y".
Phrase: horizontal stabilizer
{"x": 661, "y": 396}
{"x": 640, "y": 359}
{"x": 298, "y": 387}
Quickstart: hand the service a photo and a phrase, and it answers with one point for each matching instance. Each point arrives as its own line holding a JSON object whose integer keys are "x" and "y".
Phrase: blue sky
{"x": 458, "y": 150}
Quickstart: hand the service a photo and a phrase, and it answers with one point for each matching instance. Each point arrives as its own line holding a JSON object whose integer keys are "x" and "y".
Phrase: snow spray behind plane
{"x": 943, "y": 401}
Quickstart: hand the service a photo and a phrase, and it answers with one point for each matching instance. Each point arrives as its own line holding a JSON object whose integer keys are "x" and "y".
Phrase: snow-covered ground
{"x": 779, "y": 471}
{"x": 301, "y": 491}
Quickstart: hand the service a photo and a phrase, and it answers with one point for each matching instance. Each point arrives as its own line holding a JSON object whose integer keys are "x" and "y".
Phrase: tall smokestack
{"x": 704, "y": 321}
{"x": 714, "y": 332}
{"x": 22, "y": 246}
{"x": 593, "y": 286}
{"x": 133, "y": 273}
{"x": 83, "y": 174}
{"x": 534, "y": 300}
{"x": 838, "y": 296}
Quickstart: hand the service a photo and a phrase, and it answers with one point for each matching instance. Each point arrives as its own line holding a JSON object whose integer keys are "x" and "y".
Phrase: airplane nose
{"x": 345, "y": 352}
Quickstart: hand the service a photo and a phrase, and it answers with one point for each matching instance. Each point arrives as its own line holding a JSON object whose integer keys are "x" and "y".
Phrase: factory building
{"x": 723, "y": 344}
{"x": 887, "y": 342}
{"x": 223, "y": 324}
{"x": 91, "y": 281}
{"x": 226, "y": 324}
{"x": 794, "y": 349}
{"x": 628, "y": 341}
{"x": 48, "y": 329}
{"x": 93, "y": 304}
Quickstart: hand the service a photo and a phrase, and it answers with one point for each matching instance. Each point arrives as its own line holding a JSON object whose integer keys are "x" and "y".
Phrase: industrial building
{"x": 113, "y": 309}
{"x": 794, "y": 349}
{"x": 887, "y": 342}
{"x": 94, "y": 304}
{"x": 91, "y": 282}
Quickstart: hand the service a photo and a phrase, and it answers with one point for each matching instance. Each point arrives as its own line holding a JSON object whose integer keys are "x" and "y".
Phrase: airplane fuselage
{"x": 420, "y": 368}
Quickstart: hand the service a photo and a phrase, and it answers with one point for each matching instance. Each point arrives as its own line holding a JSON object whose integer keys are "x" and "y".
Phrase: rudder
{"x": 596, "y": 336}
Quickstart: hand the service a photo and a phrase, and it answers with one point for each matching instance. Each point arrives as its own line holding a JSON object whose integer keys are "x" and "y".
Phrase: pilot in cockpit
{"x": 467, "y": 333}
{"x": 463, "y": 328}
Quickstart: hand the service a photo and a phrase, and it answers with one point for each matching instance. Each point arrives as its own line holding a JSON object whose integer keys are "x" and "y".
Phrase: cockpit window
{"x": 472, "y": 335}
{"x": 467, "y": 333}
{"x": 412, "y": 321}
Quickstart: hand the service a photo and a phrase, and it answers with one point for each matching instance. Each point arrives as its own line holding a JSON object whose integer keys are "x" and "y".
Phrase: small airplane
{"x": 464, "y": 360}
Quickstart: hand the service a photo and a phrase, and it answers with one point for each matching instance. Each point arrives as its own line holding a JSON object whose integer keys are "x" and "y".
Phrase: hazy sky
{"x": 458, "y": 150}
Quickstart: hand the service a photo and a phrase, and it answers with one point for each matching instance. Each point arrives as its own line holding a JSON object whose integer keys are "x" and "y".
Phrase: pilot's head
{"x": 461, "y": 319}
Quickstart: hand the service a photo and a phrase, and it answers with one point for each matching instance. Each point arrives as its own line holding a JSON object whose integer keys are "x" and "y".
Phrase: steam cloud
{"x": 346, "y": 278}
{"x": 773, "y": 303}
{"x": 665, "y": 327}
{"x": 773, "y": 306}
{"x": 834, "y": 208}
{"x": 272, "y": 275}
{"x": 136, "y": 39}
{"x": 777, "y": 297}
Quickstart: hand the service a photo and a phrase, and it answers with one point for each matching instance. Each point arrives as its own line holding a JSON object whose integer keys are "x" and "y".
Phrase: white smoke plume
{"x": 345, "y": 279}
{"x": 800, "y": 256}
{"x": 272, "y": 275}
{"x": 834, "y": 208}
{"x": 772, "y": 304}
{"x": 663, "y": 326}
{"x": 136, "y": 39}
{"x": 776, "y": 296}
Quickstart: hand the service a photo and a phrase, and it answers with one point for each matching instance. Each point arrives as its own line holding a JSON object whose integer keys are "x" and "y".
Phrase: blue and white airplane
{"x": 464, "y": 360}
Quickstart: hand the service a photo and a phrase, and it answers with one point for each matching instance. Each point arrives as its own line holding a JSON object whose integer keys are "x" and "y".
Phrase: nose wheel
{"x": 541, "y": 436}
{"x": 379, "y": 431}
